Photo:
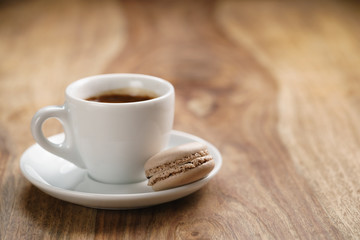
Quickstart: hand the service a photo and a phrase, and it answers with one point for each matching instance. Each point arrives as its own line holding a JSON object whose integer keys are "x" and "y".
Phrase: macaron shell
{"x": 186, "y": 177}
{"x": 174, "y": 153}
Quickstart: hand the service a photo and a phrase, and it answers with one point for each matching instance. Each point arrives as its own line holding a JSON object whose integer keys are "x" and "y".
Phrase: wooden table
{"x": 275, "y": 86}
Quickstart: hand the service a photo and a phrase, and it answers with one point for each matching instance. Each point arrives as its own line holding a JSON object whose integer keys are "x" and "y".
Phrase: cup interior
{"x": 94, "y": 85}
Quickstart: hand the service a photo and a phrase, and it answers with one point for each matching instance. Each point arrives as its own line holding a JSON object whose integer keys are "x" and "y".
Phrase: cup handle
{"x": 66, "y": 149}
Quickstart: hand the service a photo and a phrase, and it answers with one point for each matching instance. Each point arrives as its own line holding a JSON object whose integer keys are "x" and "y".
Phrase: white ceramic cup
{"x": 111, "y": 140}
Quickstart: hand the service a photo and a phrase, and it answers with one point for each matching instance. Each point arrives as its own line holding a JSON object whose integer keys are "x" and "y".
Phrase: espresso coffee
{"x": 123, "y": 95}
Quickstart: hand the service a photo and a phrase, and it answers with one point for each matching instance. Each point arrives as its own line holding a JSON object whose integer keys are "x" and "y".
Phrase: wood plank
{"x": 273, "y": 84}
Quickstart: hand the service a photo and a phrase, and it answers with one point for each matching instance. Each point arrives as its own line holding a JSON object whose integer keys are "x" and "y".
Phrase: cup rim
{"x": 83, "y": 81}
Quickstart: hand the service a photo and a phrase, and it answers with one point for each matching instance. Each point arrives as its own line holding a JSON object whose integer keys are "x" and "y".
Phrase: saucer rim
{"x": 124, "y": 196}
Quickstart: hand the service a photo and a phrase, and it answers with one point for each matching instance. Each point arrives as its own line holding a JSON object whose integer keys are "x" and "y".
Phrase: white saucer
{"x": 63, "y": 180}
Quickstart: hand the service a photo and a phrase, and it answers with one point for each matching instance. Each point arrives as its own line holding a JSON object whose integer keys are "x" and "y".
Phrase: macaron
{"x": 178, "y": 166}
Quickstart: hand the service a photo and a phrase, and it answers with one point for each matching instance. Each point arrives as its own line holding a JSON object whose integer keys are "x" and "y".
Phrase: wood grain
{"x": 273, "y": 84}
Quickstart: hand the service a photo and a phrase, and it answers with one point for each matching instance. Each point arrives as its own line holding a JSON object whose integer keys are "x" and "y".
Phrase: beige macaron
{"x": 178, "y": 166}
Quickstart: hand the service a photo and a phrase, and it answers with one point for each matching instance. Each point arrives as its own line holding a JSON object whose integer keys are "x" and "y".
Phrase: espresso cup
{"x": 111, "y": 140}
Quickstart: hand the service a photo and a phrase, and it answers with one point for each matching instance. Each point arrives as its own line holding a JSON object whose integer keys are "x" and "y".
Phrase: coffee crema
{"x": 123, "y": 95}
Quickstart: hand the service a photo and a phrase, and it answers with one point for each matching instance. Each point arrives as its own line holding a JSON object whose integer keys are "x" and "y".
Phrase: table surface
{"x": 275, "y": 86}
